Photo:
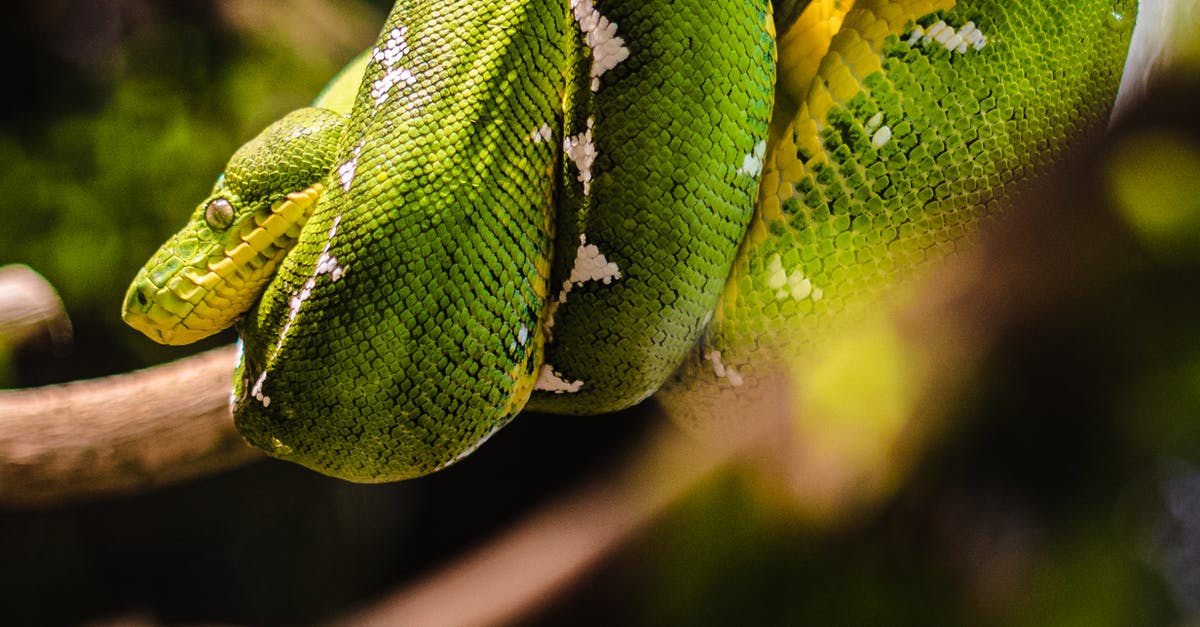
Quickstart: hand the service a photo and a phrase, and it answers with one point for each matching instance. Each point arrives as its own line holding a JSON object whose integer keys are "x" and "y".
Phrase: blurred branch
{"x": 317, "y": 29}
{"x": 119, "y": 435}
{"x": 29, "y": 305}
{"x": 526, "y": 566}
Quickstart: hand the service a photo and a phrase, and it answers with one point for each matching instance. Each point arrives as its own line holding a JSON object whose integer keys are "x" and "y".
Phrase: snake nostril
{"x": 140, "y": 297}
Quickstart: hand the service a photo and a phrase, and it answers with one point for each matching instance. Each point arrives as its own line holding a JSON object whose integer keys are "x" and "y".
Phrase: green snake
{"x": 570, "y": 205}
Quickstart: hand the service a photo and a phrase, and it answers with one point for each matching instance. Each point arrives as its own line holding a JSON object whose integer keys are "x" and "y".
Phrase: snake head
{"x": 209, "y": 273}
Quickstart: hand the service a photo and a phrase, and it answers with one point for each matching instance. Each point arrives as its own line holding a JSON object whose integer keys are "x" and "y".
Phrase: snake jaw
{"x": 183, "y": 300}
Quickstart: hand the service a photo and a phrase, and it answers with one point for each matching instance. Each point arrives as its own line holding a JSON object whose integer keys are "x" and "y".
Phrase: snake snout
{"x": 136, "y": 310}
{"x": 139, "y": 297}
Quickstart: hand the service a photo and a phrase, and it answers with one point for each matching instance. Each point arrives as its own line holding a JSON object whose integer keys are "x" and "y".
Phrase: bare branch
{"x": 29, "y": 305}
{"x": 119, "y": 435}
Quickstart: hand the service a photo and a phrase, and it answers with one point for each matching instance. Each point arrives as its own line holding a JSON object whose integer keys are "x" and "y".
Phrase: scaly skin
{"x": 545, "y": 199}
{"x": 668, "y": 201}
{"x": 440, "y": 187}
{"x": 892, "y": 157}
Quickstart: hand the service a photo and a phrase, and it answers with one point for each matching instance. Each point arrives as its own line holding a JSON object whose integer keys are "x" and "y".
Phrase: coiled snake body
{"x": 564, "y": 204}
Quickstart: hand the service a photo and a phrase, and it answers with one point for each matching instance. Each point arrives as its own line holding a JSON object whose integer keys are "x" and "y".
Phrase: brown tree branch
{"x": 29, "y": 305}
{"x": 119, "y": 435}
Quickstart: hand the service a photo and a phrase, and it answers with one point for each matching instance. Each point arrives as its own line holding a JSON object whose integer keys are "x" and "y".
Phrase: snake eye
{"x": 219, "y": 214}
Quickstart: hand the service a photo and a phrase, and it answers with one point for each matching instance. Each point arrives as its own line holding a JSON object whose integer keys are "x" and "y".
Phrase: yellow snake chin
{"x": 211, "y": 289}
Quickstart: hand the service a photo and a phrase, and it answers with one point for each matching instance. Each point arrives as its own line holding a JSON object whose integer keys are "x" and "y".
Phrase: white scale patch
{"x": 600, "y": 34}
{"x": 881, "y": 137}
{"x": 875, "y": 121}
{"x": 789, "y": 285}
{"x": 346, "y": 170}
{"x": 522, "y": 338}
{"x": 721, "y": 370}
{"x": 880, "y": 133}
{"x": 238, "y": 359}
{"x": 257, "y": 392}
{"x": 582, "y": 152}
{"x": 590, "y": 265}
{"x": 326, "y": 264}
{"x": 551, "y": 381}
{"x": 752, "y": 165}
{"x": 969, "y": 36}
{"x": 543, "y": 134}
{"x": 389, "y": 57}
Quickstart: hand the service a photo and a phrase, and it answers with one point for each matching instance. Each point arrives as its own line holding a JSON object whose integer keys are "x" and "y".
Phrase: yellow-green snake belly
{"x": 566, "y": 205}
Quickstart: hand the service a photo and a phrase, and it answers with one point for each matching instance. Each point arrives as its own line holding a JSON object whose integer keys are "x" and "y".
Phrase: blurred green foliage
{"x": 1153, "y": 179}
{"x": 94, "y": 184}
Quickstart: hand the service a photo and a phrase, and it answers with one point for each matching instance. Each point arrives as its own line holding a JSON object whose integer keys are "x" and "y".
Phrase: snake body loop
{"x": 565, "y": 205}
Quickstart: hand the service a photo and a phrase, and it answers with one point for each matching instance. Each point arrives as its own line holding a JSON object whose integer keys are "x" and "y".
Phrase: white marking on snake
{"x": 237, "y": 365}
{"x": 881, "y": 137}
{"x": 784, "y": 284}
{"x": 590, "y": 265}
{"x": 346, "y": 170}
{"x": 874, "y": 122}
{"x": 551, "y": 381}
{"x": 972, "y": 36}
{"x": 953, "y": 40}
{"x": 600, "y": 34}
{"x": 394, "y": 50}
{"x": 582, "y": 152}
{"x": 326, "y": 264}
{"x": 389, "y": 57}
{"x": 522, "y": 338}
{"x": 543, "y": 134}
{"x": 721, "y": 370}
{"x": 257, "y": 392}
{"x": 752, "y": 164}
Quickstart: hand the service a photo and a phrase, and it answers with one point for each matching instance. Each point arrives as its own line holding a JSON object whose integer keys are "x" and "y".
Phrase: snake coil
{"x": 567, "y": 205}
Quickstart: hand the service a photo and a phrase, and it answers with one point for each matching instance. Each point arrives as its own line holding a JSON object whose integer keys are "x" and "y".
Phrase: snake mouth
{"x": 178, "y": 299}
